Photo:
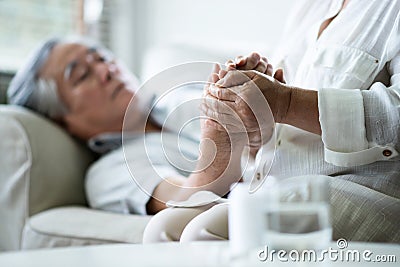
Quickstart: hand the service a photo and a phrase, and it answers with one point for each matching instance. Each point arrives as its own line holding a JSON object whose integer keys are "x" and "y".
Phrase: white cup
{"x": 246, "y": 223}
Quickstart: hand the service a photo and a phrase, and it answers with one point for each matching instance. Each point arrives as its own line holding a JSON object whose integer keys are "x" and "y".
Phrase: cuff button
{"x": 387, "y": 153}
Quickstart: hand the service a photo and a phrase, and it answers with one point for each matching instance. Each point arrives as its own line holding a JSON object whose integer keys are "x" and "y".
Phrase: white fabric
{"x": 353, "y": 125}
{"x": 366, "y": 156}
{"x": 14, "y": 181}
{"x": 81, "y": 226}
{"x": 356, "y": 52}
{"x": 41, "y": 167}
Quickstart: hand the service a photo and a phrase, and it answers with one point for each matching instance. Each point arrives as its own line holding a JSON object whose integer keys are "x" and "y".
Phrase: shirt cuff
{"x": 341, "y": 115}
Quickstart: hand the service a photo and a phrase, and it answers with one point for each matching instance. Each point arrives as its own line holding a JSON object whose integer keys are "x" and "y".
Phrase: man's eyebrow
{"x": 71, "y": 66}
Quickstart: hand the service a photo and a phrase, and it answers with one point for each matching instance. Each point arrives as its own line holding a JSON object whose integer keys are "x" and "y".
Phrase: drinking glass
{"x": 296, "y": 214}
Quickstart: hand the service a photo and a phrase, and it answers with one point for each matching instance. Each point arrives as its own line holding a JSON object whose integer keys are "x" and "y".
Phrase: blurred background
{"x": 148, "y": 35}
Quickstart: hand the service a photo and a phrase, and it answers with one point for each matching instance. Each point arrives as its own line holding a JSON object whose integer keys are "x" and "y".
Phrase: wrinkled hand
{"x": 249, "y": 85}
{"x": 212, "y": 127}
{"x": 248, "y": 107}
{"x": 220, "y": 148}
{"x": 253, "y": 61}
{"x": 240, "y": 107}
{"x": 217, "y": 140}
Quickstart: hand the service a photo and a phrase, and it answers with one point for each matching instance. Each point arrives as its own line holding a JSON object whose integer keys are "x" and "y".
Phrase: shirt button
{"x": 387, "y": 153}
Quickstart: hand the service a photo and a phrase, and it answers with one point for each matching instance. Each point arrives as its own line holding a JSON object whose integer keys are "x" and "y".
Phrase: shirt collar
{"x": 106, "y": 142}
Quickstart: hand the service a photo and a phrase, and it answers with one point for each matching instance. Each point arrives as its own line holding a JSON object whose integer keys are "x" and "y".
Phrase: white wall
{"x": 225, "y": 26}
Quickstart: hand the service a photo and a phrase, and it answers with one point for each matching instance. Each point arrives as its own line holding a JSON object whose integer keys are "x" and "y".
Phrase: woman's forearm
{"x": 302, "y": 111}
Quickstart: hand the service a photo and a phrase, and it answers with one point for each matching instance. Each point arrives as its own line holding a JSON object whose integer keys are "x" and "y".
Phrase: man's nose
{"x": 103, "y": 71}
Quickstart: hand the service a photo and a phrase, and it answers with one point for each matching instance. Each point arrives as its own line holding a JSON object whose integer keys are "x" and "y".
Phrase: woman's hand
{"x": 253, "y": 61}
{"x": 257, "y": 135}
{"x": 289, "y": 105}
{"x": 248, "y": 86}
{"x": 242, "y": 106}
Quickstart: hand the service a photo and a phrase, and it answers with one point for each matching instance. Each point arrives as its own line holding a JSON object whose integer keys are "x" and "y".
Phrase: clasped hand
{"x": 243, "y": 99}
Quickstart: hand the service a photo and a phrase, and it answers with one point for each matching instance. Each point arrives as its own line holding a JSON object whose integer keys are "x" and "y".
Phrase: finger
{"x": 213, "y": 124}
{"x": 227, "y": 111}
{"x": 261, "y": 67}
{"x": 250, "y": 74}
{"x": 251, "y": 62}
{"x": 222, "y": 73}
{"x": 214, "y": 77}
{"x": 225, "y": 94}
{"x": 264, "y": 59}
{"x": 279, "y": 75}
{"x": 220, "y": 106}
{"x": 230, "y": 65}
{"x": 269, "y": 70}
{"x": 230, "y": 120}
{"x": 220, "y": 124}
{"x": 240, "y": 61}
{"x": 239, "y": 107}
{"x": 233, "y": 78}
{"x": 233, "y": 115}
{"x": 215, "y": 70}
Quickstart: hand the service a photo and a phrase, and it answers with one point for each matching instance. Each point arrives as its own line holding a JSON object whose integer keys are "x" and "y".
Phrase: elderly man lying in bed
{"x": 84, "y": 89}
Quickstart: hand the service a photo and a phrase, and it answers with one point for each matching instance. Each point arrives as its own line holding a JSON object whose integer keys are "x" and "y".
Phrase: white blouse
{"x": 355, "y": 66}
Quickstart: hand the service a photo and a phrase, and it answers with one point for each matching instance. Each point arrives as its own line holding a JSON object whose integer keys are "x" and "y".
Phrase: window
{"x": 24, "y": 23}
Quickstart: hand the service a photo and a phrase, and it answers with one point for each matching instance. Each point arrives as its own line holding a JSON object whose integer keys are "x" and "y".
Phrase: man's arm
{"x": 219, "y": 166}
{"x": 166, "y": 189}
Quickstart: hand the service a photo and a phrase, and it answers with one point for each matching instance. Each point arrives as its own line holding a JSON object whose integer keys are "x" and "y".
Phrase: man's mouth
{"x": 117, "y": 90}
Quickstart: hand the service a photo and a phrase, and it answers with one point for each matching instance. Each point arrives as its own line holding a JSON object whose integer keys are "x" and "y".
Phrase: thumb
{"x": 279, "y": 75}
{"x": 234, "y": 78}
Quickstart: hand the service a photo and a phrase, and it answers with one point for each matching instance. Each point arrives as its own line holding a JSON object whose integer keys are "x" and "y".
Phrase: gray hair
{"x": 41, "y": 95}
{"x": 26, "y": 89}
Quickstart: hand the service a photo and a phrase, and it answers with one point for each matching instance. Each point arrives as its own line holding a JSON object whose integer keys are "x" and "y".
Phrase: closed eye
{"x": 102, "y": 59}
{"x": 83, "y": 77}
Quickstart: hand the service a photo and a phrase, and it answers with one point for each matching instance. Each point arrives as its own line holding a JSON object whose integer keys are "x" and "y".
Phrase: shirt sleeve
{"x": 382, "y": 112}
{"x": 123, "y": 181}
{"x": 362, "y": 126}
